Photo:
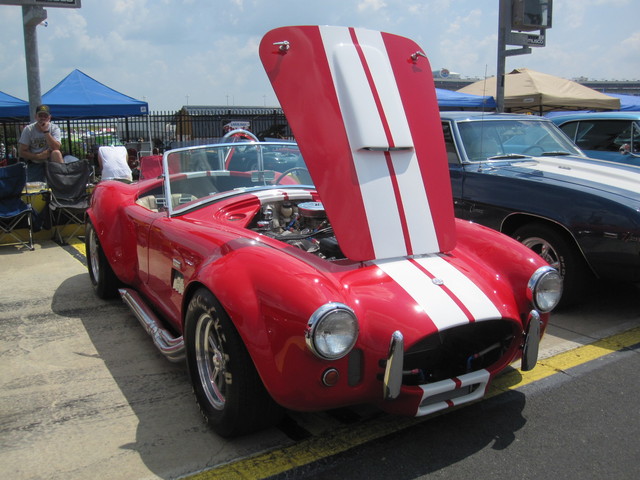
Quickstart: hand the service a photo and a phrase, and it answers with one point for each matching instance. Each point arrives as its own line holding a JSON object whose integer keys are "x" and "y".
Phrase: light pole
{"x": 32, "y": 16}
{"x": 520, "y": 15}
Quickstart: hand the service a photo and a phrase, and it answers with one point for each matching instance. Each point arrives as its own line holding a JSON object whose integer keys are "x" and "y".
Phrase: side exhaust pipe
{"x": 170, "y": 346}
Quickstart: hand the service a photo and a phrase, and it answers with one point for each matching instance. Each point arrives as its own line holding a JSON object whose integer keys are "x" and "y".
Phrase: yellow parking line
{"x": 564, "y": 361}
{"x": 78, "y": 245}
{"x": 270, "y": 463}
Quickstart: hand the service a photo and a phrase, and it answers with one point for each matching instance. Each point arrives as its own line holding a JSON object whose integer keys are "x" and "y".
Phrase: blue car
{"x": 613, "y": 136}
{"x": 519, "y": 174}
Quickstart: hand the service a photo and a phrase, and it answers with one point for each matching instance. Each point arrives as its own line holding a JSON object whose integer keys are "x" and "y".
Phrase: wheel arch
{"x": 271, "y": 327}
{"x": 514, "y": 221}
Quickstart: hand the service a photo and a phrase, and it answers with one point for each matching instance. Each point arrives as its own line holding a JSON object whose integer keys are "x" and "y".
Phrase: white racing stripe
{"x": 365, "y": 129}
{"x": 474, "y": 299}
{"x": 606, "y": 175}
{"x": 443, "y": 311}
{"x": 281, "y": 195}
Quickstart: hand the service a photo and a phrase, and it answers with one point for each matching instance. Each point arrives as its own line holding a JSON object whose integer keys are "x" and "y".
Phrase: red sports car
{"x": 327, "y": 272}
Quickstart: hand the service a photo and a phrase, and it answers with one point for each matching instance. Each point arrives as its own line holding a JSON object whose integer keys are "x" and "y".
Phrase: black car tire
{"x": 104, "y": 280}
{"x": 227, "y": 387}
{"x": 561, "y": 254}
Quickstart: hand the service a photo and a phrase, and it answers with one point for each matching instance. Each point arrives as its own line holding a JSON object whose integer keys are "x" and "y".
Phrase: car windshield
{"x": 509, "y": 138}
{"x": 195, "y": 173}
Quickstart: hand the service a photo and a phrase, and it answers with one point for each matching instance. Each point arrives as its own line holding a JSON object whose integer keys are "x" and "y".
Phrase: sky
{"x": 172, "y": 53}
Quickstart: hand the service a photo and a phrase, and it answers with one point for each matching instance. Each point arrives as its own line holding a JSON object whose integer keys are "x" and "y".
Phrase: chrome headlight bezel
{"x": 332, "y": 331}
{"x": 544, "y": 289}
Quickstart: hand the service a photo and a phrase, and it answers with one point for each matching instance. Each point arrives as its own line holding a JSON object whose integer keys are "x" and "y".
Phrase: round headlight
{"x": 332, "y": 331}
{"x": 545, "y": 289}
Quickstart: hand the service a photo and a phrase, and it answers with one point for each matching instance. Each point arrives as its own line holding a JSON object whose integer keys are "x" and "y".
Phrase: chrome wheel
{"x": 103, "y": 279}
{"x": 211, "y": 360}
{"x": 227, "y": 387}
{"x": 560, "y": 251}
{"x": 94, "y": 262}
{"x": 543, "y": 248}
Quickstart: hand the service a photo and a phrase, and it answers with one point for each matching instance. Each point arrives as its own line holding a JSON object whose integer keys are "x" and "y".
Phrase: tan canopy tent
{"x": 530, "y": 91}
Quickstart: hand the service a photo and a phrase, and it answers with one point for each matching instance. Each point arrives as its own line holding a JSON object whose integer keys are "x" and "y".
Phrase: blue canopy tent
{"x": 12, "y": 107}
{"x": 451, "y": 100}
{"x": 80, "y": 96}
{"x": 628, "y": 103}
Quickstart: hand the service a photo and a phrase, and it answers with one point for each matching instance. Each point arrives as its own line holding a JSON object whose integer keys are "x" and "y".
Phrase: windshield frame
{"x": 183, "y": 166}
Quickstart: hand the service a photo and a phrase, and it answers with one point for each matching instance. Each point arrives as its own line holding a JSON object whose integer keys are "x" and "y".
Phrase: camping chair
{"x": 69, "y": 197}
{"x": 12, "y": 209}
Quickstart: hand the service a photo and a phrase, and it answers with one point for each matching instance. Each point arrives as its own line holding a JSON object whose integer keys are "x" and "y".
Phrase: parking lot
{"x": 84, "y": 393}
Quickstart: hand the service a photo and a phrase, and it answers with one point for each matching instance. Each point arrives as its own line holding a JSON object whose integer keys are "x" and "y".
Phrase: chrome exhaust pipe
{"x": 170, "y": 346}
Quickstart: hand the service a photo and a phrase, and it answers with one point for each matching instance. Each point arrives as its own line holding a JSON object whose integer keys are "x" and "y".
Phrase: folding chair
{"x": 12, "y": 209}
{"x": 69, "y": 197}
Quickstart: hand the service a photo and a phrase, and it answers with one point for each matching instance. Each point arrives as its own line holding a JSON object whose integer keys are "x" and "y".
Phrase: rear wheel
{"x": 226, "y": 385}
{"x": 561, "y": 254}
{"x": 104, "y": 280}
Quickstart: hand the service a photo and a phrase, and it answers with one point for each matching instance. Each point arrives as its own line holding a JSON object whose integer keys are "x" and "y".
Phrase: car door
{"x": 479, "y": 194}
{"x": 173, "y": 259}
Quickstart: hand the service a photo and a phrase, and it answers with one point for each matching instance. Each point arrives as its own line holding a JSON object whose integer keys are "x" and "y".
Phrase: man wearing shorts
{"x": 39, "y": 143}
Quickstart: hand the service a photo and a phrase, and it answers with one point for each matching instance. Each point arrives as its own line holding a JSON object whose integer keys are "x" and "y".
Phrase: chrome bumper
{"x": 531, "y": 342}
{"x": 392, "y": 380}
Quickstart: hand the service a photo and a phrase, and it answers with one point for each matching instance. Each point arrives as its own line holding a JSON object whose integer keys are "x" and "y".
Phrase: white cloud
{"x": 374, "y": 5}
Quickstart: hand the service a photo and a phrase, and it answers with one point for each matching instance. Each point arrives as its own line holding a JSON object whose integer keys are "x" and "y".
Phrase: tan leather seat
{"x": 150, "y": 202}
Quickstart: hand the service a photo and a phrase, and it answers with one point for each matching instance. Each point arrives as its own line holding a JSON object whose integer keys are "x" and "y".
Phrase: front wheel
{"x": 104, "y": 280}
{"x": 561, "y": 254}
{"x": 226, "y": 385}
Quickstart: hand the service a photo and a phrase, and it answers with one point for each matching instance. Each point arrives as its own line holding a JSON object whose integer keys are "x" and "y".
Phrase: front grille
{"x": 456, "y": 351}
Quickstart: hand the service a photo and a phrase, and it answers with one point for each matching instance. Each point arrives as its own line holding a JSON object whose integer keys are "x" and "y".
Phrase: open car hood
{"x": 363, "y": 109}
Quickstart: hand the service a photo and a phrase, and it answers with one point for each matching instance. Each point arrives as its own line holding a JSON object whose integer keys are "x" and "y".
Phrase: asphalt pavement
{"x": 85, "y": 394}
{"x": 580, "y": 425}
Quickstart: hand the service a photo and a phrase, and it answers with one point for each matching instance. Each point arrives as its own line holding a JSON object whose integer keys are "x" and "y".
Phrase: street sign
{"x": 526, "y": 39}
{"x": 43, "y": 3}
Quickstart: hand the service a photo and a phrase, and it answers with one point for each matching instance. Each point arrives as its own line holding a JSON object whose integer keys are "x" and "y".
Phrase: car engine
{"x": 303, "y": 225}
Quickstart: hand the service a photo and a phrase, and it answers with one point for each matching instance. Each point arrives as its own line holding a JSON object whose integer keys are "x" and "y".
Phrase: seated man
{"x": 39, "y": 143}
{"x": 113, "y": 161}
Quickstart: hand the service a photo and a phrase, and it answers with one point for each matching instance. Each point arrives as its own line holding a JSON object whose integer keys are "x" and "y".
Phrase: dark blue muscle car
{"x": 521, "y": 175}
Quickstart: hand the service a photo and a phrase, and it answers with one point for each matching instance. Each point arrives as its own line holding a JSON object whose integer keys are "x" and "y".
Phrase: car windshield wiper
{"x": 509, "y": 156}
{"x": 553, "y": 154}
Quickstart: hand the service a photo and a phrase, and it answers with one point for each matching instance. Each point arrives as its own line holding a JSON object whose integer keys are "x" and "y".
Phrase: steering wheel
{"x": 288, "y": 172}
{"x": 533, "y": 147}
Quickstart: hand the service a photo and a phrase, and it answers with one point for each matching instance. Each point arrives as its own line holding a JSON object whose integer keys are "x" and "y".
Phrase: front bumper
{"x": 461, "y": 387}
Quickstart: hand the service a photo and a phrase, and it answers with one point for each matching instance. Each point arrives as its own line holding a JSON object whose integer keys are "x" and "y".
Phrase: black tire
{"x": 562, "y": 254}
{"x": 104, "y": 280}
{"x": 227, "y": 387}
